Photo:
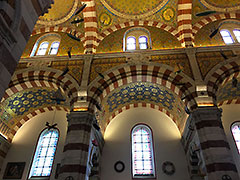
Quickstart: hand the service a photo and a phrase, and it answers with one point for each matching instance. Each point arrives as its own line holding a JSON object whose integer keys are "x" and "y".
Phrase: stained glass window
{"x": 236, "y": 134}
{"x": 131, "y": 43}
{"x": 42, "y": 48}
{"x": 54, "y": 48}
{"x": 142, "y": 152}
{"x": 226, "y": 35}
{"x": 142, "y": 42}
{"x": 237, "y": 34}
{"x": 44, "y": 154}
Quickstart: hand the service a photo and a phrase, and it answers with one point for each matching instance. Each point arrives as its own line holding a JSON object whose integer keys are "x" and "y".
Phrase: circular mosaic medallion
{"x": 61, "y": 11}
{"x": 134, "y": 9}
{"x": 105, "y": 19}
{"x": 222, "y": 5}
{"x": 168, "y": 14}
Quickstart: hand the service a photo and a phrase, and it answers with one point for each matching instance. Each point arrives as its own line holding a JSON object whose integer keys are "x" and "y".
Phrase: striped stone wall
{"x": 90, "y": 26}
{"x": 213, "y": 143}
{"x": 75, "y": 153}
{"x": 184, "y": 21}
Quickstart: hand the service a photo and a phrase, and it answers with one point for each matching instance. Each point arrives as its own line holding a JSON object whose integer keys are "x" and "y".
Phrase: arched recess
{"x": 203, "y": 22}
{"x": 161, "y": 75}
{"x": 31, "y": 115}
{"x": 116, "y": 27}
{"x": 27, "y": 82}
{"x": 44, "y": 77}
{"x": 220, "y": 75}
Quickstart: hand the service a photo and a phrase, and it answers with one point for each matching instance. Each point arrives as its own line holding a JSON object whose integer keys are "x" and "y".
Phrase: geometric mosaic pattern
{"x": 22, "y": 102}
{"x": 142, "y": 94}
{"x": 145, "y": 92}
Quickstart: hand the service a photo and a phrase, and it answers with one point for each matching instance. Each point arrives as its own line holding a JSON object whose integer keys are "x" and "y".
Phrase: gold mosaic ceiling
{"x": 133, "y": 9}
{"x": 221, "y": 5}
{"x": 60, "y": 11}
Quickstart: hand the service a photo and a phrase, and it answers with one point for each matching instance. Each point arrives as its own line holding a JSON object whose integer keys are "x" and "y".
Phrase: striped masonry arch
{"x": 90, "y": 26}
{"x": 59, "y": 29}
{"x": 116, "y": 27}
{"x": 31, "y": 115}
{"x": 221, "y": 73}
{"x": 225, "y": 81}
{"x": 46, "y": 77}
{"x": 184, "y": 21}
{"x": 222, "y": 16}
{"x": 154, "y": 73}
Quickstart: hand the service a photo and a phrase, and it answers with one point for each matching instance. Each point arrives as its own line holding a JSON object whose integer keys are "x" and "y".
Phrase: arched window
{"x": 54, "y": 48}
{"x": 226, "y": 35}
{"x": 143, "y": 42}
{"x": 142, "y": 152}
{"x": 137, "y": 38}
{"x": 235, "y": 128}
{"x": 236, "y": 32}
{"x": 47, "y": 44}
{"x": 42, "y": 48}
{"x": 44, "y": 154}
{"x": 131, "y": 43}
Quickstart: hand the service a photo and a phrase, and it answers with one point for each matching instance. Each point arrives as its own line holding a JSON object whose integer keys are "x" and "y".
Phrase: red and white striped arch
{"x": 220, "y": 74}
{"x": 184, "y": 21}
{"x": 45, "y": 77}
{"x": 230, "y": 101}
{"x": 125, "y": 74}
{"x": 203, "y": 22}
{"x": 116, "y": 27}
{"x": 59, "y": 29}
{"x": 90, "y": 26}
{"x": 31, "y": 115}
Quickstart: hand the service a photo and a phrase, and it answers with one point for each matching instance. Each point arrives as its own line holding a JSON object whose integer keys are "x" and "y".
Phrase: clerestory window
{"x": 142, "y": 152}
{"x": 44, "y": 154}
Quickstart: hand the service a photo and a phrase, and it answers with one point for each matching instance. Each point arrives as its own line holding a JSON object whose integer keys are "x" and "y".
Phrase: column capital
{"x": 81, "y": 116}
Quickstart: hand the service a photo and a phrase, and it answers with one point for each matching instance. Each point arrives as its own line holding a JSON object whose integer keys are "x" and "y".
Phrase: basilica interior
{"x": 127, "y": 89}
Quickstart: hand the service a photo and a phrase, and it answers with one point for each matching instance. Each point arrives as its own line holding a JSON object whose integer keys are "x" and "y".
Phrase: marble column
{"x": 214, "y": 146}
{"x": 76, "y": 149}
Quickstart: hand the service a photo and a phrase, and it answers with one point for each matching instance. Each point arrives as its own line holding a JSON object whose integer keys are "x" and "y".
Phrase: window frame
{"x": 50, "y": 38}
{"x": 50, "y": 48}
{"x": 44, "y": 42}
{"x": 33, "y": 156}
{"x": 231, "y": 127}
{"x": 146, "y": 42}
{"x": 137, "y": 32}
{"x": 152, "y": 153}
{"x": 230, "y": 35}
{"x": 238, "y": 39}
{"x": 132, "y": 37}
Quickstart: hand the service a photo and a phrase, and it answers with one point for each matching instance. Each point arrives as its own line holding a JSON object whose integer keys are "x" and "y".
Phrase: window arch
{"x": 236, "y": 33}
{"x": 142, "y": 152}
{"x": 227, "y": 37}
{"x": 136, "y": 38}
{"x": 54, "y": 48}
{"x": 143, "y": 42}
{"x": 44, "y": 153}
{"x": 131, "y": 43}
{"x": 235, "y": 129}
{"x": 46, "y": 45}
{"x": 42, "y": 48}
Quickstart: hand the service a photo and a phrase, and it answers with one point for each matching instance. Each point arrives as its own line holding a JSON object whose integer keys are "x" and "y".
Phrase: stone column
{"x": 214, "y": 147}
{"x": 76, "y": 149}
